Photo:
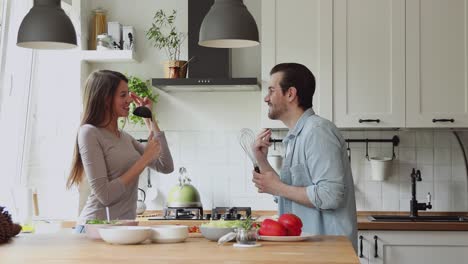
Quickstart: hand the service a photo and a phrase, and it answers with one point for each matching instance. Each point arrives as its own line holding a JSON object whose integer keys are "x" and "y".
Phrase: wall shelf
{"x": 104, "y": 56}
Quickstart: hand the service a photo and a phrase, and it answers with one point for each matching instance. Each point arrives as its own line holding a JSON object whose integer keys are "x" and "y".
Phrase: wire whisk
{"x": 246, "y": 140}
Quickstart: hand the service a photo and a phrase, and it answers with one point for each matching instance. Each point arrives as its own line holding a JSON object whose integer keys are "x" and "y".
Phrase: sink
{"x": 423, "y": 218}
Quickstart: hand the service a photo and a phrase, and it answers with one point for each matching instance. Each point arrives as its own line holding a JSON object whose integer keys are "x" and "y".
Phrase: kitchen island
{"x": 64, "y": 248}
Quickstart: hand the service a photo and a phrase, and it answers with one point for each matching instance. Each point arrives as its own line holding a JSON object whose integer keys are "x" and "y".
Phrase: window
{"x": 1, "y": 20}
{"x": 2, "y": 27}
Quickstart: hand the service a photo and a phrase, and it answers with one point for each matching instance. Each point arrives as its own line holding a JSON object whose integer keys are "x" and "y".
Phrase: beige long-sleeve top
{"x": 105, "y": 158}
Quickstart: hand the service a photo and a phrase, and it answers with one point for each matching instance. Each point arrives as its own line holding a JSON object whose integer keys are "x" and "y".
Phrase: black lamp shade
{"x": 46, "y": 26}
{"x": 228, "y": 24}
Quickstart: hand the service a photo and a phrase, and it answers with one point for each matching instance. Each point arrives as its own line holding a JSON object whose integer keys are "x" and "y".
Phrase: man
{"x": 315, "y": 182}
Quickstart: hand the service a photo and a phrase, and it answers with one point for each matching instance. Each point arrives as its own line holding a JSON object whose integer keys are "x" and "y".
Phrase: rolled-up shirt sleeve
{"x": 107, "y": 191}
{"x": 164, "y": 162}
{"x": 324, "y": 160}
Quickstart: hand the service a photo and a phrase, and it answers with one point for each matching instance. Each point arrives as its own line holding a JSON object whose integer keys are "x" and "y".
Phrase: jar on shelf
{"x": 104, "y": 42}
{"x": 98, "y": 26}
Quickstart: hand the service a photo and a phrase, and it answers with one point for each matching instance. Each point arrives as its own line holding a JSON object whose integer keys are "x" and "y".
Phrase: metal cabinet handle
{"x": 376, "y": 254}
{"x": 369, "y": 120}
{"x": 360, "y": 246}
{"x": 434, "y": 120}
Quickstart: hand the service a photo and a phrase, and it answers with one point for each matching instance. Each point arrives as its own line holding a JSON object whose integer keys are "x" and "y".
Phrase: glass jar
{"x": 98, "y": 26}
{"x": 246, "y": 237}
{"x": 104, "y": 42}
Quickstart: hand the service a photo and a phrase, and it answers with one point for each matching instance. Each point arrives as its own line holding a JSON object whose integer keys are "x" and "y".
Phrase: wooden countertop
{"x": 66, "y": 248}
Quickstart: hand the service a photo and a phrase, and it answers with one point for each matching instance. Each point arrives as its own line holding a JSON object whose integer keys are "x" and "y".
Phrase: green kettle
{"x": 184, "y": 194}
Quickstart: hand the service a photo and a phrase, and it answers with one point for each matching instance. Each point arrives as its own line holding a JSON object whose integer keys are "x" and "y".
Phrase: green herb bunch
{"x": 164, "y": 34}
{"x": 142, "y": 89}
{"x": 248, "y": 224}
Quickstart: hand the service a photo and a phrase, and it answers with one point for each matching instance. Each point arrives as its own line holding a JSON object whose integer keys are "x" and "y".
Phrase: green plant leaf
{"x": 164, "y": 34}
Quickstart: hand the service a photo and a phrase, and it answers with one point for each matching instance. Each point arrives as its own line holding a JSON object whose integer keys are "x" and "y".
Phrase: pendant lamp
{"x": 46, "y": 26}
{"x": 228, "y": 24}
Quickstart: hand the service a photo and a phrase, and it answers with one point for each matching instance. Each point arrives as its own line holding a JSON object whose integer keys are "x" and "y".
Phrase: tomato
{"x": 194, "y": 229}
{"x": 290, "y": 221}
{"x": 294, "y": 231}
{"x": 270, "y": 227}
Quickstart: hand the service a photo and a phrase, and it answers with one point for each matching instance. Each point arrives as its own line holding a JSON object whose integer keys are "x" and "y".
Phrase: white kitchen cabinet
{"x": 436, "y": 63}
{"x": 364, "y": 246}
{"x": 413, "y": 247}
{"x": 369, "y": 63}
{"x": 298, "y": 31}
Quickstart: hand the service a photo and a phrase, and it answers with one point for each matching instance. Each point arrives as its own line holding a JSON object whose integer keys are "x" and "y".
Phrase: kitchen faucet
{"x": 414, "y": 205}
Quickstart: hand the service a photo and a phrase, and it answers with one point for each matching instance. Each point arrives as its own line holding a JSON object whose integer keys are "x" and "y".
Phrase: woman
{"x": 112, "y": 159}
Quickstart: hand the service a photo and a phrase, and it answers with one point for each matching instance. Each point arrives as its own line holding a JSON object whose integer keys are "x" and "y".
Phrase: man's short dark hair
{"x": 298, "y": 76}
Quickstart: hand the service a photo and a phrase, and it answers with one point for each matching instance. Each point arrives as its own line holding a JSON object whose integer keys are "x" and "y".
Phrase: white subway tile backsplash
{"x": 221, "y": 171}
{"x": 374, "y": 188}
{"x": 442, "y": 191}
{"x": 427, "y": 173}
{"x": 442, "y": 139}
{"x": 457, "y": 156}
{"x": 441, "y": 205}
{"x": 405, "y": 190}
{"x": 404, "y": 205}
{"x": 407, "y": 139}
{"x": 390, "y": 203}
{"x": 425, "y": 156}
{"x": 442, "y": 174}
{"x": 425, "y": 139}
{"x": 442, "y": 156}
{"x": 374, "y": 203}
{"x": 407, "y": 154}
{"x": 361, "y": 202}
{"x": 458, "y": 173}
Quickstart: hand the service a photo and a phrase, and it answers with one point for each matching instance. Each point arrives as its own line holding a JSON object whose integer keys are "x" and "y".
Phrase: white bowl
{"x": 125, "y": 235}
{"x": 92, "y": 230}
{"x": 214, "y": 233}
{"x": 169, "y": 233}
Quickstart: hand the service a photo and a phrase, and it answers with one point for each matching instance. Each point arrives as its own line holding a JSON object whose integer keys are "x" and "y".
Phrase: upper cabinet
{"x": 298, "y": 31}
{"x": 369, "y": 63}
{"x": 436, "y": 63}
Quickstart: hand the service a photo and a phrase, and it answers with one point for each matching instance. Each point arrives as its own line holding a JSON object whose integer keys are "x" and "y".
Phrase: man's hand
{"x": 261, "y": 145}
{"x": 267, "y": 182}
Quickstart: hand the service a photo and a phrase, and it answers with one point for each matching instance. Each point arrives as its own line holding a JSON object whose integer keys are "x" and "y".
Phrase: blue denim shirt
{"x": 316, "y": 158}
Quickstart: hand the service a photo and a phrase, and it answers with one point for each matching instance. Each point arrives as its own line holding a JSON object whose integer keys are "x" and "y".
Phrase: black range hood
{"x": 210, "y": 66}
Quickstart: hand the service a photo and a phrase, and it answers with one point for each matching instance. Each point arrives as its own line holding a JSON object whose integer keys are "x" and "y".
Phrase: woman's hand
{"x": 146, "y": 102}
{"x": 152, "y": 149}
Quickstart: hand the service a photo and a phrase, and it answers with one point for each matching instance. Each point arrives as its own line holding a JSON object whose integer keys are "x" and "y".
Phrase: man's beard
{"x": 275, "y": 113}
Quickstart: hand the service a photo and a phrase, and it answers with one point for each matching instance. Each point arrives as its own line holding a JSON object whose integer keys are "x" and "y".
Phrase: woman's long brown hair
{"x": 98, "y": 97}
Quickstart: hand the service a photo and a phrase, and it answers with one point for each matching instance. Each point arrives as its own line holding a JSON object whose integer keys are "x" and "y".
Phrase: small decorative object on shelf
{"x": 104, "y": 42}
{"x": 128, "y": 38}
{"x": 8, "y": 229}
{"x": 98, "y": 27}
{"x": 114, "y": 30}
{"x": 164, "y": 35}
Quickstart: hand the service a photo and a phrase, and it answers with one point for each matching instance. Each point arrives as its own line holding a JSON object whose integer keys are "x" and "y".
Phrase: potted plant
{"x": 142, "y": 89}
{"x": 164, "y": 35}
